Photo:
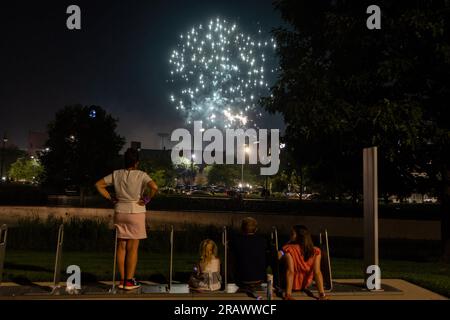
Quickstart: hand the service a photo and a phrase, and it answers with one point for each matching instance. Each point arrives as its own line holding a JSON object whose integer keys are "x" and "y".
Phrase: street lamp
{"x": 246, "y": 151}
{"x": 192, "y": 170}
{"x": 5, "y": 140}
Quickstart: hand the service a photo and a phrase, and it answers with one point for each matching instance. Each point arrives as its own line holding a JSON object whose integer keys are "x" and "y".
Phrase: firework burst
{"x": 219, "y": 73}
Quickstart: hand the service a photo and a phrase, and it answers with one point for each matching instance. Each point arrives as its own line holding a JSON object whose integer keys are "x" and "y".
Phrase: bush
{"x": 96, "y": 235}
{"x": 41, "y": 235}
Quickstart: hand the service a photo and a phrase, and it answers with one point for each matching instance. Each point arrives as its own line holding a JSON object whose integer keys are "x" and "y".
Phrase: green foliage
{"x": 34, "y": 233}
{"x": 280, "y": 182}
{"x": 162, "y": 173}
{"x": 82, "y": 148}
{"x": 224, "y": 175}
{"x": 96, "y": 234}
{"x": 342, "y": 87}
{"x": 25, "y": 169}
{"x": 10, "y": 155}
{"x": 160, "y": 177}
{"x": 230, "y": 175}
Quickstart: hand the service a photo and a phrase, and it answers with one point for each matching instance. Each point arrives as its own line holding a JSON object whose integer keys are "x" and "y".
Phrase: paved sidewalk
{"x": 344, "y": 289}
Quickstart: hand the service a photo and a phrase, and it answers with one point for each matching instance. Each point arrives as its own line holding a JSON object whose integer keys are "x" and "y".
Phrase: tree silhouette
{"x": 83, "y": 146}
{"x": 342, "y": 87}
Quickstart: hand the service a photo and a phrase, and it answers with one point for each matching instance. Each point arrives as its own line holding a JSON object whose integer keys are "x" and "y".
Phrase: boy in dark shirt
{"x": 249, "y": 256}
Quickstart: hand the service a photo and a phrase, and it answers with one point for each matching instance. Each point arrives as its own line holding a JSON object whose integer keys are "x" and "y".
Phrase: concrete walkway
{"x": 344, "y": 289}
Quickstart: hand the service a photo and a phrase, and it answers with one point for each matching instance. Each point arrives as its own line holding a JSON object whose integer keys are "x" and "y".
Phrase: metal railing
{"x": 171, "y": 260}
{"x": 225, "y": 251}
{"x": 59, "y": 249}
{"x": 113, "y": 289}
{"x": 325, "y": 264}
{"x": 3, "y": 237}
{"x": 274, "y": 237}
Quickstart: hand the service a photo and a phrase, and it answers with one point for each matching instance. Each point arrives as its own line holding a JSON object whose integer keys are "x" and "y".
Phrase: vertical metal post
{"x": 3, "y": 236}
{"x": 113, "y": 288}
{"x": 171, "y": 258}
{"x": 59, "y": 246}
{"x": 275, "y": 237}
{"x": 277, "y": 263}
{"x": 5, "y": 140}
{"x": 242, "y": 175}
{"x": 325, "y": 262}
{"x": 370, "y": 180}
{"x": 266, "y": 192}
{"x": 125, "y": 271}
{"x": 225, "y": 248}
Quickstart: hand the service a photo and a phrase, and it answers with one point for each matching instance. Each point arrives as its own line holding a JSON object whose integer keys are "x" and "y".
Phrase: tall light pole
{"x": 5, "y": 140}
{"x": 192, "y": 170}
{"x": 246, "y": 151}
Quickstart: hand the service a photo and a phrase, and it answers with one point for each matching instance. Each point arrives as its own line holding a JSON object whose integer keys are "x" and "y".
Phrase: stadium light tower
{"x": 5, "y": 140}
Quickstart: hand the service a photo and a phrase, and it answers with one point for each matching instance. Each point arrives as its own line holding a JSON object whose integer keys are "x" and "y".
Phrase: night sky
{"x": 119, "y": 60}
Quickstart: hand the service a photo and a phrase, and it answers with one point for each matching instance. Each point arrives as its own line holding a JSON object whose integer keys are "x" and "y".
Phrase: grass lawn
{"x": 24, "y": 266}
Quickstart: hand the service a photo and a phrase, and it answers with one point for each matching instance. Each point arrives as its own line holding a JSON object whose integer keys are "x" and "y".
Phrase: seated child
{"x": 206, "y": 276}
{"x": 249, "y": 256}
{"x": 302, "y": 263}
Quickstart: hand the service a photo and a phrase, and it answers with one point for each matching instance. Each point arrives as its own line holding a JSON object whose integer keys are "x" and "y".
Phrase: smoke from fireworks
{"x": 219, "y": 73}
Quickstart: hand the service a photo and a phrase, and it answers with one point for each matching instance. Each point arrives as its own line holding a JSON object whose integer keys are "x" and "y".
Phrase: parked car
{"x": 311, "y": 196}
{"x": 167, "y": 190}
{"x": 200, "y": 193}
{"x": 292, "y": 195}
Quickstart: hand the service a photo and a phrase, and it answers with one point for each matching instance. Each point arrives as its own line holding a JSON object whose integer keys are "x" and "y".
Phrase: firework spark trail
{"x": 220, "y": 73}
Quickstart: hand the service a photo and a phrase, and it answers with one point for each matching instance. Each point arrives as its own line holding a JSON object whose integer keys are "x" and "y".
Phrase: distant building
{"x": 36, "y": 142}
{"x": 158, "y": 158}
{"x": 136, "y": 145}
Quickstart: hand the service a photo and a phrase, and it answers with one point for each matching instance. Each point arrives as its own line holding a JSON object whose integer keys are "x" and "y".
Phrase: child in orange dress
{"x": 302, "y": 262}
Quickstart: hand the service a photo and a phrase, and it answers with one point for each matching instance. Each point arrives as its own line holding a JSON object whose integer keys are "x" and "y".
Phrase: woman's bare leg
{"x": 132, "y": 257}
{"x": 289, "y": 274}
{"x": 121, "y": 250}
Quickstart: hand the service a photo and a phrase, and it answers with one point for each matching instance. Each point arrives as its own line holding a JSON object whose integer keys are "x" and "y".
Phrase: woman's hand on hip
{"x": 143, "y": 201}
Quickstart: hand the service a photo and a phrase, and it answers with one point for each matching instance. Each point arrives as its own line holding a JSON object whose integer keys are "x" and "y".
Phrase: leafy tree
{"x": 200, "y": 179}
{"x": 163, "y": 173}
{"x": 185, "y": 171}
{"x": 160, "y": 177}
{"x": 83, "y": 147}
{"x": 280, "y": 182}
{"x": 25, "y": 169}
{"x": 342, "y": 87}
{"x": 224, "y": 174}
{"x": 10, "y": 155}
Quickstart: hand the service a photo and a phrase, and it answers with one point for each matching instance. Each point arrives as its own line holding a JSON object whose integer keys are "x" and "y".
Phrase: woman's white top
{"x": 129, "y": 186}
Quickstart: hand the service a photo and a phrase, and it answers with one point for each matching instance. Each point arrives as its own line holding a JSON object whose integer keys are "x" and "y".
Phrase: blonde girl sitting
{"x": 206, "y": 275}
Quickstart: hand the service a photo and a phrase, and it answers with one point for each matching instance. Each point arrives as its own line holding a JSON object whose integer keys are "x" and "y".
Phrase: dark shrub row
{"x": 95, "y": 235}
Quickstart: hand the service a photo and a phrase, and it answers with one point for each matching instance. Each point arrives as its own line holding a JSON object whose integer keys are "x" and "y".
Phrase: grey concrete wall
{"x": 343, "y": 227}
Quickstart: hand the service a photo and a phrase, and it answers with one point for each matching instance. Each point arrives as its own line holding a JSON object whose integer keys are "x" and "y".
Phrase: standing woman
{"x": 302, "y": 261}
{"x": 130, "y": 185}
